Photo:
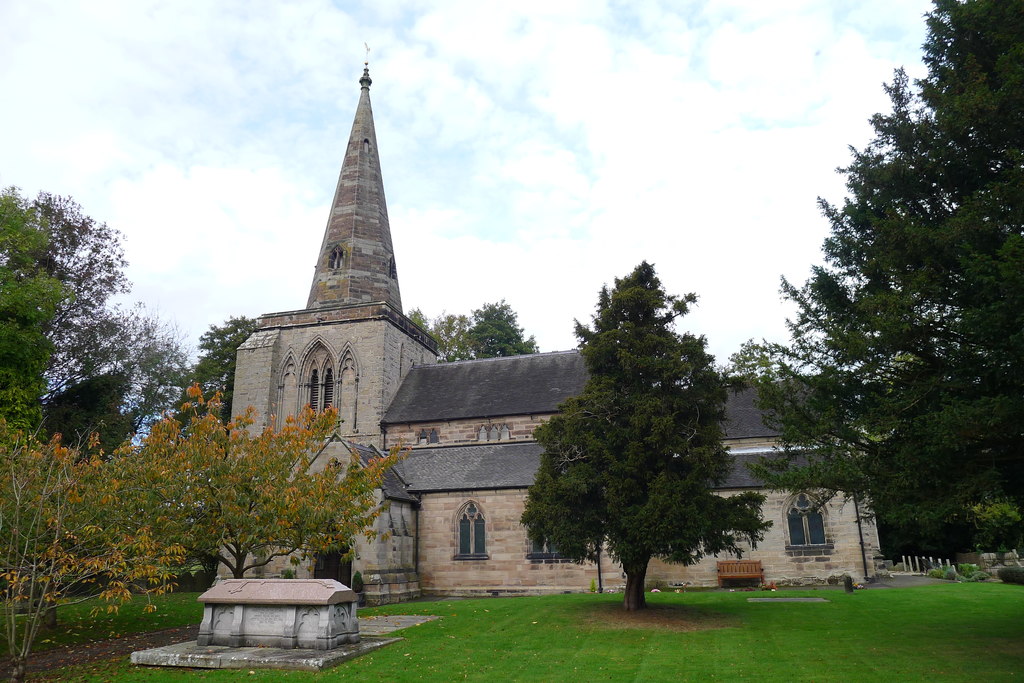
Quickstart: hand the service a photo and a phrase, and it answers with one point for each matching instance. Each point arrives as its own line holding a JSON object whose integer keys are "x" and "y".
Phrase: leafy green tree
{"x": 903, "y": 381}
{"x": 495, "y": 331}
{"x": 28, "y": 300}
{"x": 86, "y": 330}
{"x": 215, "y": 368}
{"x": 450, "y": 331}
{"x": 630, "y": 462}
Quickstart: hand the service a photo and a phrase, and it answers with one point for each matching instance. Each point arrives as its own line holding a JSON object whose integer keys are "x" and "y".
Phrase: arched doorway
{"x": 333, "y": 566}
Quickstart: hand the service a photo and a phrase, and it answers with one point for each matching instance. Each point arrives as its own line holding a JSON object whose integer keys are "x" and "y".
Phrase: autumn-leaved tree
{"x": 248, "y": 496}
{"x": 630, "y": 464}
{"x": 61, "y": 528}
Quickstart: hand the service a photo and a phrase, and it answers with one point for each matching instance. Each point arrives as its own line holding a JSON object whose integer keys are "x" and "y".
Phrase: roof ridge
{"x": 495, "y": 358}
{"x": 471, "y": 444}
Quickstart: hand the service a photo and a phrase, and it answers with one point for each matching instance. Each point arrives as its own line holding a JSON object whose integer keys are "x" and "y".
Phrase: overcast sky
{"x": 531, "y": 151}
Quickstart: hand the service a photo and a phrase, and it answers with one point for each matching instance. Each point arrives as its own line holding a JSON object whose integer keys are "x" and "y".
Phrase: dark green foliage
{"x": 29, "y": 296}
{"x": 357, "y": 582}
{"x": 87, "y": 258}
{"x": 495, "y": 332}
{"x": 91, "y": 406}
{"x": 215, "y": 369}
{"x": 628, "y": 463}
{"x": 904, "y": 378}
{"x": 1011, "y": 575}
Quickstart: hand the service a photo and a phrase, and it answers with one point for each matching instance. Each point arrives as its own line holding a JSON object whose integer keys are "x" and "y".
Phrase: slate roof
{"x": 523, "y": 385}
{"x": 482, "y": 466}
{"x": 394, "y": 487}
{"x": 509, "y": 465}
{"x": 743, "y": 419}
{"x": 490, "y": 387}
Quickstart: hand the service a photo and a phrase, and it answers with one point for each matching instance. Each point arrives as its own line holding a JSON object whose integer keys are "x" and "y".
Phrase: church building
{"x": 452, "y": 506}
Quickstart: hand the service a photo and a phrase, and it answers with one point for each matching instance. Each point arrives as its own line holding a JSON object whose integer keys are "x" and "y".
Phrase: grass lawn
{"x": 76, "y": 623}
{"x": 969, "y": 632}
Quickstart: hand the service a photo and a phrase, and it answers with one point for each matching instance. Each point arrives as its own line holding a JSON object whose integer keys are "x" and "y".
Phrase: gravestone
{"x": 317, "y": 614}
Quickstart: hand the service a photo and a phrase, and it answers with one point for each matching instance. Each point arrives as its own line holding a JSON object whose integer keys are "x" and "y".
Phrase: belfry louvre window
{"x": 328, "y": 388}
{"x": 314, "y": 390}
{"x": 472, "y": 540}
{"x": 806, "y": 525}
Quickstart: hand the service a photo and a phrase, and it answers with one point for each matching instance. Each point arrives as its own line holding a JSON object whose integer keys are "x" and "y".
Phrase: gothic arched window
{"x": 472, "y": 534}
{"x": 337, "y": 258}
{"x": 806, "y": 524}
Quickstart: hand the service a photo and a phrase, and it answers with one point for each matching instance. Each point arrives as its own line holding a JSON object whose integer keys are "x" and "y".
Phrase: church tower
{"x": 351, "y": 345}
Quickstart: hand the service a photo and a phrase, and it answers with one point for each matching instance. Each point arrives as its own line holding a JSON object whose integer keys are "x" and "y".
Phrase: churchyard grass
{"x": 89, "y": 620}
{"x": 948, "y": 632}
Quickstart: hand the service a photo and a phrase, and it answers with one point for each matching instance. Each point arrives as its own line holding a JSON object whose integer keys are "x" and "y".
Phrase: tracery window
{"x": 472, "y": 534}
{"x": 337, "y": 258}
{"x": 806, "y": 523}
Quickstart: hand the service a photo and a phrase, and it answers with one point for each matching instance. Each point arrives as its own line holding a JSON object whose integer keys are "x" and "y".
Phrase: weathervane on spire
{"x": 365, "y": 80}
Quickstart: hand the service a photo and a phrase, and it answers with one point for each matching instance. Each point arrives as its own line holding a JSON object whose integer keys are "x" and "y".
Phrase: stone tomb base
{"x": 193, "y": 655}
{"x": 196, "y": 656}
{"x": 315, "y": 614}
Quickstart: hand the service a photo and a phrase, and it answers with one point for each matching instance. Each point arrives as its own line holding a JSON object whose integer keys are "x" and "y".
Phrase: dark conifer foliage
{"x": 905, "y": 373}
{"x": 630, "y": 462}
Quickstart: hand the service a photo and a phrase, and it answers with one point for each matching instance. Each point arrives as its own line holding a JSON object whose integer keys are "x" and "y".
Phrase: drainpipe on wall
{"x": 860, "y": 533}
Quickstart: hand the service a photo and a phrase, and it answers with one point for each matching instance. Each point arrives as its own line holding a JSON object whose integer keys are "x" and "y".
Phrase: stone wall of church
{"x": 465, "y": 431}
{"x": 388, "y": 563}
{"x": 788, "y": 564}
{"x": 506, "y": 568}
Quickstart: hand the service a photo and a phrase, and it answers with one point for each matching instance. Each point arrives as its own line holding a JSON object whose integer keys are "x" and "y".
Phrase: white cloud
{"x": 531, "y": 151}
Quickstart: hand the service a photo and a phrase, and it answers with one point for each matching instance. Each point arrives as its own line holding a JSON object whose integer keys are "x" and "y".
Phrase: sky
{"x": 531, "y": 151}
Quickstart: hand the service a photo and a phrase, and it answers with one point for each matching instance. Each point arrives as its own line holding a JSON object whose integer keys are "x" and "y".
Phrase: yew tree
{"x": 630, "y": 464}
{"x": 248, "y": 495}
{"x": 903, "y": 381}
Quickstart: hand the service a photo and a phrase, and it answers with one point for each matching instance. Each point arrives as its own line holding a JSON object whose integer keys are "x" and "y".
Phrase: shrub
{"x": 357, "y": 582}
{"x": 950, "y": 574}
{"x": 937, "y": 573}
{"x": 287, "y": 573}
{"x": 1011, "y": 575}
{"x": 593, "y": 586}
{"x": 967, "y": 570}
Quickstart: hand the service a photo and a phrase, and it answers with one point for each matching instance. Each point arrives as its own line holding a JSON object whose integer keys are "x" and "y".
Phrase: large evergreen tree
{"x": 628, "y": 464}
{"x": 904, "y": 378}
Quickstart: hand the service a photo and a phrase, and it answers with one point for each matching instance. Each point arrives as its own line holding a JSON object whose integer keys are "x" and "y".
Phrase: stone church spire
{"x": 356, "y": 264}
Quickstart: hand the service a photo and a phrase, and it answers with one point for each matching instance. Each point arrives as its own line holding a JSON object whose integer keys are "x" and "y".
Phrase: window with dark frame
{"x": 472, "y": 541}
{"x": 806, "y": 524}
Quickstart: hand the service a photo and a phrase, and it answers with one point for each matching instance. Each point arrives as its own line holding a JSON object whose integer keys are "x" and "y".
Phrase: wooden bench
{"x": 740, "y": 569}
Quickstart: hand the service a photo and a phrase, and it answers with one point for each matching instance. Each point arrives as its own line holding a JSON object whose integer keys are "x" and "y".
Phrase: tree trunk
{"x": 635, "y": 598}
{"x": 17, "y": 669}
{"x": 50, "y": 618}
